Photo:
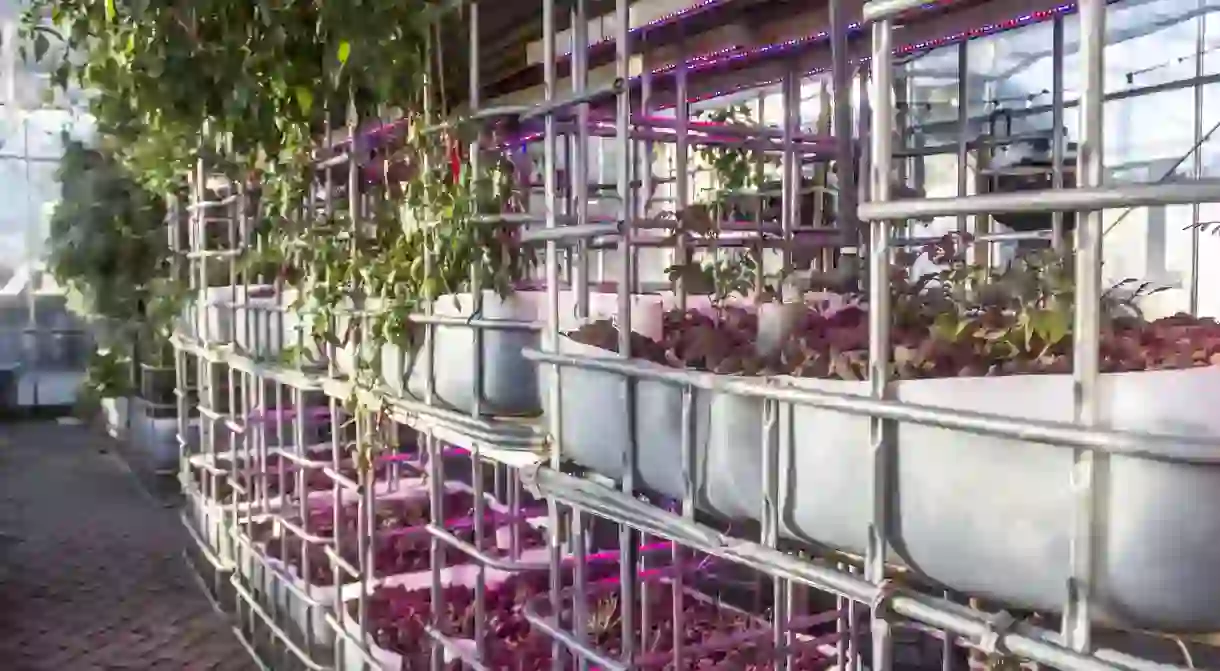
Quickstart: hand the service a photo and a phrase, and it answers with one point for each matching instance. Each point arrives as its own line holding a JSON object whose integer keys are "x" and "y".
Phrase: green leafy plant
{"x": 734, "y": 172}
{"x": 108, "y": 375}
{"x": 247, "y": 90}
{"x": 108, "y": 248}
{"x": 733, "y": 169}
{"x": 107, "y": 238}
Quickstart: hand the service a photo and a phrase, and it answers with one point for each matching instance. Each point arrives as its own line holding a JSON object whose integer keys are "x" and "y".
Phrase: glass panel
{"x": 14, "y": 215}
{"x": 1208, "y": 281}
{"x": 932, "y": 89}
{"x": 1150, "y": 43}
{"x": 1151, "y": 243}
{"x": 12, "y": 132}
{"x": 1148, "y": 128}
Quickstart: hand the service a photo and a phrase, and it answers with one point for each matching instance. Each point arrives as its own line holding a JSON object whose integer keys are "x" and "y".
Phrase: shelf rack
{"x": 257, "y": 409}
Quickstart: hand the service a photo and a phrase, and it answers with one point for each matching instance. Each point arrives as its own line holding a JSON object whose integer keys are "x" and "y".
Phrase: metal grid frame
{"x": 570, "y": 240}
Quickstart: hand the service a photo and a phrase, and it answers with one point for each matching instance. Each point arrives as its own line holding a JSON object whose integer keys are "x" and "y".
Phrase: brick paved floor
{"x": 95, "y": 579}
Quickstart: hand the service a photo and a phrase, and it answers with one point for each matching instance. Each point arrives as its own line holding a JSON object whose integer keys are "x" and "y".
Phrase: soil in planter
{"x": 835, "y": 346}
{"x": 401, "y": 545}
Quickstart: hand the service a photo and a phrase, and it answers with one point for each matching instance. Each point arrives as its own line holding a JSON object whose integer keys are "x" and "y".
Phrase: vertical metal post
{"x": 627, "y": 544}
{"x": 760, "y": 164}
{"x": 579, "y": 68}
{"x": 579, "y": 170}
{"x": 476, "y": 409}
{"x": 880, "y": 431}
{"x": 337, "y": 446}
{"x": 854, "y": 658}
{"x": 1200, "y": 47}
{"x": 775, "y": 429}
{"x": 845, "y": 155}
{"x": 1058, "y": 132}
{"x": 902, "y": 114}
{"x": 599, "y": 151}
{"x": 181, "y": 378}
{"x": 363, "y": 528}
{"x": 918, "y": 162}
{"x": 1086, "y": 347}
{"x": 687, "y": 435}
{"x": 948, "y": 648}
{"x": 476, "y": 279}
{"x": 432, "y": 446}
{"x": 551, "y": 341}
{"x": 681, "y": 158}
{"x": 963, "y": 127}
{"x": 642, "y": 161}
{"x": 791, "y": 185}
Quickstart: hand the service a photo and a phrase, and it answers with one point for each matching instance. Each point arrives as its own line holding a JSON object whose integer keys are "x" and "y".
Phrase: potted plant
{"x": 964, "y": 339}
{"x": 107, "y": 391}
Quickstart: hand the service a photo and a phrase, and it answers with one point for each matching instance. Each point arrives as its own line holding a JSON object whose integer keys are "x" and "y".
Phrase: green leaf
{"x": 304, "y": 99}
{"x": 41, "y": 46}
{"x": 1051, "y": 326}
{"x": 949, "y": 326}
{"x": 345, "y": 50}
{"x": 110, "y": 10}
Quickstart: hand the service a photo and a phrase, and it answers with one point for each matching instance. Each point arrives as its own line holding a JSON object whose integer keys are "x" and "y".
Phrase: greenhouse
{"x": 683, "y": 334}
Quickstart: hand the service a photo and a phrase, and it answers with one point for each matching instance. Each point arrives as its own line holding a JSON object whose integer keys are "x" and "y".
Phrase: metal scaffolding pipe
{"x": 1158, "y": 447}
{"x": 936, "y": 612}
{"x": 1048, "y": 200}
{"x": 883, "y": 10}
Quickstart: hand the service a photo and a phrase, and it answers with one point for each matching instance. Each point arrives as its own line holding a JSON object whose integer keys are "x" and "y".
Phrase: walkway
{"x": 95, "y": 578}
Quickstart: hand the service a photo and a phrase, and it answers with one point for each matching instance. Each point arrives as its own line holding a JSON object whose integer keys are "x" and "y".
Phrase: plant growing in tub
{"x": 441, "y": 218}
{"x": 958, "y": 321}
{"x": 359, "y": 286}
{"x": 107, "y": 378}
{"x": 733, "y": 172}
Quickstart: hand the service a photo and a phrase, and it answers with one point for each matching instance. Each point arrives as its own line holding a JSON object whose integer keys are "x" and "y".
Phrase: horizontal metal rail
{"x": 1029, "y": 642}
{"x": 1046, "y": 200}
{"x": 1158, "y": 447}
